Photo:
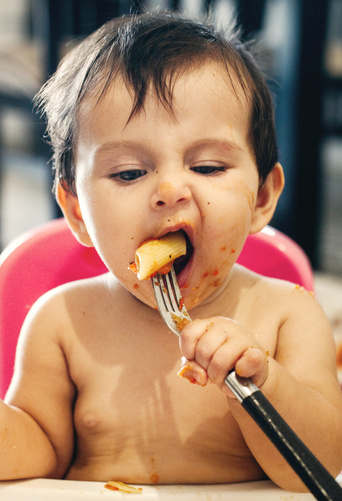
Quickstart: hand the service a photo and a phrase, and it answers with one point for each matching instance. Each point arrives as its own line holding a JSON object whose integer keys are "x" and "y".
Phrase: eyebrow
{"x": 223, "y": 144}
{"x": 116, "y": 145}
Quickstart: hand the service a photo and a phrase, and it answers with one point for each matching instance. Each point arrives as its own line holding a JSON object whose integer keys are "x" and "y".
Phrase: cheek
{"x": 247, "y": 191}
{"x": 104, "y": 227}
{"x": 227, "y": 223}
{"x": 251, "y": 196}
{"x": 230, "y": 211}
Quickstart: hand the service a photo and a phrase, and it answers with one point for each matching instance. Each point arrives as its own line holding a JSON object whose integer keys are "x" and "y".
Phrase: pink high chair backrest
{"x": 50, "y": 256}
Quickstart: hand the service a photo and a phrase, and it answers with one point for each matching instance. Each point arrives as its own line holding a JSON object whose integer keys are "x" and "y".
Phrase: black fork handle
{"x": 314, "y": 475}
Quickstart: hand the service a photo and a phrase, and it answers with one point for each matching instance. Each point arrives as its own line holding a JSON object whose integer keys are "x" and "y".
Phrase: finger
{"x": 190, "y": 336}
{"x": 253, "y": 364}
{"x": 223, "y": 361}
{"x": 211, "y": 342}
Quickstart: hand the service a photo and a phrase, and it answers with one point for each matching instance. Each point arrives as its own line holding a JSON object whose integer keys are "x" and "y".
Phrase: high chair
{"x": 49, "y": 256}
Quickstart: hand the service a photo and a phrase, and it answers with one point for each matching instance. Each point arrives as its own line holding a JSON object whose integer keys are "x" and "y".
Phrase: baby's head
{"x": 151, "y": 51}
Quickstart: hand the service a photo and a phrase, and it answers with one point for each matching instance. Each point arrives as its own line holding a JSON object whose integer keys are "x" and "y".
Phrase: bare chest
{"x": 138, "y": 421}
{"x": 141, "y": 424}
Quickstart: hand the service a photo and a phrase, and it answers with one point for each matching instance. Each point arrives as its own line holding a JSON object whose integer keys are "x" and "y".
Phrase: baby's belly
{"x": 170, "y": 468}
{"x": 195, "y": 440}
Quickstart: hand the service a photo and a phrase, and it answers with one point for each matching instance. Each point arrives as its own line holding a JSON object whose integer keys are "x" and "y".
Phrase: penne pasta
{"x": 157, "y": 256}
{"x": 122, "y": 487}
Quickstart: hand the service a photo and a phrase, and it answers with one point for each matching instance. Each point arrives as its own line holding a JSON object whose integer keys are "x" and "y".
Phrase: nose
{"x": 170, "y": 194}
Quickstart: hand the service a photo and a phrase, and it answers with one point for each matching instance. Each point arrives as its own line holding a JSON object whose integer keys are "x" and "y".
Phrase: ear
{"x": 267, "y": 198}
{"x": 70, "y": 207}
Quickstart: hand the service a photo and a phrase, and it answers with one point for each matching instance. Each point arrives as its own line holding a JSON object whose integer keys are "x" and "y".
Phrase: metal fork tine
{"x": 165, "y": 292}
{"x": 169, "y": 284}
{"x": 161, "y": 299}
{"x": 173, "y": 279}
{"x": 168, "y": 299}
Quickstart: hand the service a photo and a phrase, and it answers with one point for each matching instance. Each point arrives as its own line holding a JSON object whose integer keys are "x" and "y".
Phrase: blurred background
{"x": 301, "y": 52}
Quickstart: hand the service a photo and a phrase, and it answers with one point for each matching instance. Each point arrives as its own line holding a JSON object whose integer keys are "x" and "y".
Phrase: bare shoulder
{"x": 55, "y": 305}
{"x": 304, "y": 340}
{"x": 293, "y": 327}
{"x": 81, "y": 289}
{"x": 289, "y": 310}
{"x": 52, "y": 330}
{"x": 281, "y": 295}
{"x": 51, "y": 322}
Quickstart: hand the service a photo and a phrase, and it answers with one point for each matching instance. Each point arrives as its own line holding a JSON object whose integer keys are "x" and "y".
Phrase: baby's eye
{"x": 127, "y": 176}
{"x": 208, "y": 170}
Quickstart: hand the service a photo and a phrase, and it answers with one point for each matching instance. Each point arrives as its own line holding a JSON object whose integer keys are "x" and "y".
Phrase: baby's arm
{"x": 36, "y": 421}
{"x": 300, "y": 380}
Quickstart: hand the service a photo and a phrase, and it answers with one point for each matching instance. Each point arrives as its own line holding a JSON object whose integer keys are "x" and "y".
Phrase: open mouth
{"x": 181, "y": 262}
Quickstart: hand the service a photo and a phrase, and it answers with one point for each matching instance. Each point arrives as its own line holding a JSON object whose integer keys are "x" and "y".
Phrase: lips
{"x": 182, "y": 265}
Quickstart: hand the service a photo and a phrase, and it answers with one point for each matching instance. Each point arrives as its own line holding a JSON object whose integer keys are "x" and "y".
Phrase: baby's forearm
{"x": 315, "y": 420}
{"x": 25, "y": 450}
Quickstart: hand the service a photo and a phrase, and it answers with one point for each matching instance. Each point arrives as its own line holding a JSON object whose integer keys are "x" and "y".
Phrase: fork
{"x": 314, "y": 475}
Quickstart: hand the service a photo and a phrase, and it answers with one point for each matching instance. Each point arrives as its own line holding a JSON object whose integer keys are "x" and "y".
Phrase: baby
{"x": 159, "y": 124}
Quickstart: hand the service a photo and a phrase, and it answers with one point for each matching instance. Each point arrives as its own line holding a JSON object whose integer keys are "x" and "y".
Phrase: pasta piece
{"x": 122, "y": 487}
{"x": 157, "y": 256}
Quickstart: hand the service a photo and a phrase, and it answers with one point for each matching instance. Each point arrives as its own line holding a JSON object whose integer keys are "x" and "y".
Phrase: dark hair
{"x": 151, "y": 49}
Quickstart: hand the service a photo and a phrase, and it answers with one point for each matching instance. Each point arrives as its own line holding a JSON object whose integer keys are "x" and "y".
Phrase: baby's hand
{"x": 213, "y": 347}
